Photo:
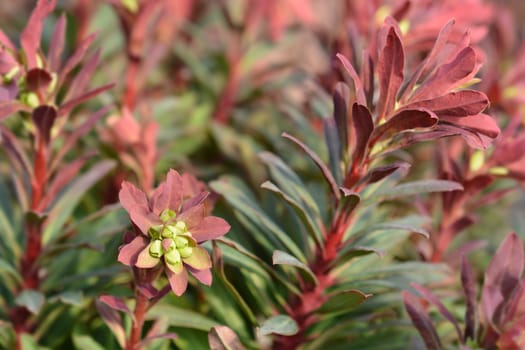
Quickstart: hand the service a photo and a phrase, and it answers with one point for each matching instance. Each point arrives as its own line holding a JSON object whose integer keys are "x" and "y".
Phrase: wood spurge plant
{"x": 252, "y": 174}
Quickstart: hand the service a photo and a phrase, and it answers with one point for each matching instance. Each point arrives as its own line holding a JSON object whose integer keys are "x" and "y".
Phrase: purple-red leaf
{"x": 82, "y": 78}
{"x": 502, "y": 276}
{"x": 77, "y": 56}
{"x": 429, "y": 61}
{"x": 421, "y": 321}
{"x": 113, "y": 321}
{"x": 363, "y": 127}
{"x": 80, "y": 131}
{"x": 390, "y": 70}
{"x": 10, "y": 107}
{"x": 116, "y": 304}
{"x": 168, "y": 195}
{"x": 431, "y": 298}
{"x": 341, "y": 104}
{"x": 56, "y": 47}
{"x": 30, "y": 37}
{"x": 406, "y": 119}
{"x": 381, "y": 172}
{"x": 350, "y": 71}
{"x": 481, "y": 123}
{"x": 448, "y": 76}
{"x": 38, "y": 80}
{"x": 469, "y": 288}
{"x": 44, "y": 118}
{"x": 454, "y": 104}
{"x": 69, "y": 105}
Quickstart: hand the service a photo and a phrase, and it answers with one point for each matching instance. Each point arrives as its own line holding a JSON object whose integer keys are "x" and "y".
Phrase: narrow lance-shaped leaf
{"x": 421, "y": 186}
{"x": 502, "y": 275}
{"x": 407, "y": 88}
{"x": 343, "y": 302}
{"x": 448, "y": 76}
{"x": 113, "y": 321}
{"x": 469, "y": 288}
{"x": 223, "y": 338}
{"x": 363, "y": 128}
{"x": 454, "y": 104}
{"x": 431, "y": 298}
{"x": 358, "y": 86}
{"x": 283, "y": 258}
{"x": 407, "y": 119}
{"x": 320, "y": 164}
{"x": 56, "y": 47}
{"x": 30, "y": 37}
{"x": 421, "y": 321}
{"x": 390, "y": 70}
{"x": 332, "y": 141}
{"x": 341, "y": 105}
{"x": 309, "y": 222}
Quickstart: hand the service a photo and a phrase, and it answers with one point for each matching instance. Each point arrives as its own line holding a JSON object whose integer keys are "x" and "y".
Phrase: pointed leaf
{"x": 67, "y": 202}
{"x": 343, "y": 302}
{"x": 223, "y": 338}
{"x": 454, "y": 104}
{"x": 363, "y": 128}
{"x": 56, "y": 46}
{"x": 313, "y": 228}
{"x": 502, "y": 275}
{"x": 280, "y": 324}
{"x": 431, "y": 298}
{"x": 448, "y": 76}
{"x": 115, "y": 303}
{"x": 283, "y": 258}
{"x": 420, "y": 187}
{"x": 113, "y": 321}
{"x": 30, "y": 299}
{"x": 354, "y": 78}
{"x": 30, "y": 37}
{"x": 390, "y": 68}
{"x": 320, "y": 164}
{"x": 421, "y": 321}
{"x": 407, "y": 119}
{"x": 341, "y": 105}
{"x": 70, "y": 297}
{"x": 469, "y": 288}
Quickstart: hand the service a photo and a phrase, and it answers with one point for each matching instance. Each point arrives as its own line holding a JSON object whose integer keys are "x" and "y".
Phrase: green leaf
{"x": 224, "y": 338}
{"x": 179, "y": 317}
{"x": 31, "y": 299}
{"x": 304, "y": 216}
{"x": 343, "y": 302}
{"x": 64, "y": 207}
{"x": 6, "y": 267}
{"x": 69, "y": 297}
{"x": 283, "y": 258}
{"x": 83, "y": 342}
{"x": 234, "y": 194}
{"x": 9, "y": 241}
{"x": 280, "y": 324}
{"x": 420, "y": 187}
{"x": 29, "y": 343}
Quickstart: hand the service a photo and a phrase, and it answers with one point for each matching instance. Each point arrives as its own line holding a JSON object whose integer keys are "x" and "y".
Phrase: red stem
{"x": 141, "y": 307}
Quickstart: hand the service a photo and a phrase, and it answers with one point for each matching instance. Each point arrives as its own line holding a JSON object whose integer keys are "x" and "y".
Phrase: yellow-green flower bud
{"x": 30, "y": 99}
{"x": 130, "y": 5}
{"x": 172, "y": 257}
{"x": 167, "y": 233}
{"x": 185, "y": 252}
{"x": 155, "y": 248}
{"x": 8, "y": 77}
{"x": 53, "y": 84}
{"x": 155, "y": 231}
{"x": 477, "y": 160}
{"x": 167, "y": 214}
{"x": 181, "y": 241}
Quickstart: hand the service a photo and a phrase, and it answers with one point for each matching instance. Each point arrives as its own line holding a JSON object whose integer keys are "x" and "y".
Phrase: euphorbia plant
{"x": 168, "y": 230}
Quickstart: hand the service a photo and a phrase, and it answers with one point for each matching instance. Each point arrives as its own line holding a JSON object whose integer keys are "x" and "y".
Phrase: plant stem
{"x": 139, "y": 313}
